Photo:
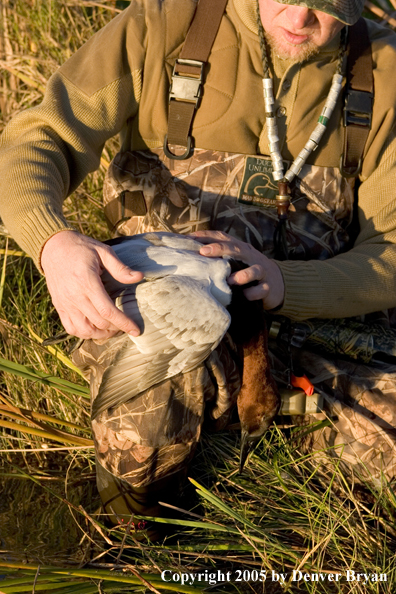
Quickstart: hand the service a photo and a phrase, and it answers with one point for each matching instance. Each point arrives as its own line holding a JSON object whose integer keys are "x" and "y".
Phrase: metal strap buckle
{"x": 187, "y": 88}
{"x": 187, "y": 153}
{"x": 349, "y": 171}
{"x": 358, "y": 108}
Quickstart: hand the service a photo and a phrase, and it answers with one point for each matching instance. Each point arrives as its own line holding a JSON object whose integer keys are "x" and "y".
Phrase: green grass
{"x": 284, "y": 513}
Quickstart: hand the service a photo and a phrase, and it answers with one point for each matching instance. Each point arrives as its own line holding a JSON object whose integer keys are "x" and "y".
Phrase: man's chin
{"x": 288, "y": 51}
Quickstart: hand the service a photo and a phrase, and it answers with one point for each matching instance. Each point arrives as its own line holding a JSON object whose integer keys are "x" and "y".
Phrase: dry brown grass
{"x": 276, "y": 516}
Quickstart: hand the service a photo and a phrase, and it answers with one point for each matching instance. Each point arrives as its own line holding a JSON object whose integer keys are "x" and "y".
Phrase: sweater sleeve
{"x": 362, "y": 280}
{"x": 46, "y": 151}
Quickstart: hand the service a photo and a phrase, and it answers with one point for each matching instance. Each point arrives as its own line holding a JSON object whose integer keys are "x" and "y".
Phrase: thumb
{"x": 118, "y": 270}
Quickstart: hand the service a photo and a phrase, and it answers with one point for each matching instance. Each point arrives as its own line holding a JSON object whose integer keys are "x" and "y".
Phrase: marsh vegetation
{"x": 283, "y": 513}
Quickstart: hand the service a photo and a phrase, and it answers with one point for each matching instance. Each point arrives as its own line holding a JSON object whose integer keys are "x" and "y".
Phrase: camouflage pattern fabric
{"x": 361, "y": 403}
{"x": 234, "y": 193}
{"x": 369, "y": 342}
{"x": 147, "y": 442}
{"x": 150, "y": 440}
{"x": 346, "y": 11}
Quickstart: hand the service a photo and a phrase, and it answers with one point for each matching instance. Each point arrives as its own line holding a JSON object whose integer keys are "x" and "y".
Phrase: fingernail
{"x": 134, "y": 332}
{"x": 239, "y": 277}
{"x": 206, "y": 250}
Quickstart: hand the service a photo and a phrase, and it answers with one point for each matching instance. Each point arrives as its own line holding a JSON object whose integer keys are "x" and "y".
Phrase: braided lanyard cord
{"x": 284, "y": 179}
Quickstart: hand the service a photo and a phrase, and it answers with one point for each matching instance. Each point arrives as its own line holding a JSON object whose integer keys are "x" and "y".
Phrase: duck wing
{"x": 181, "y": 324}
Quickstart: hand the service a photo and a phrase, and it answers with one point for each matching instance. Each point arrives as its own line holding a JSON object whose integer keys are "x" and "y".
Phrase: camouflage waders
{"x": 361, "y": 401}
{"x": 144, "y": 446}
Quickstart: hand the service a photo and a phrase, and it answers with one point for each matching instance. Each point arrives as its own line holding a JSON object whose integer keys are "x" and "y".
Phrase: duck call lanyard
{"x": 284, "y": 179}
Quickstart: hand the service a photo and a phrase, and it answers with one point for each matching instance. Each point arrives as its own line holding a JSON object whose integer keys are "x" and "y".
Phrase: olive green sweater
{"x": 118, "y": 83}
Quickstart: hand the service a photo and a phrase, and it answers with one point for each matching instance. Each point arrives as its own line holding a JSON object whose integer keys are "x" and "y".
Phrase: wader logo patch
{"x": 258, "y": 186}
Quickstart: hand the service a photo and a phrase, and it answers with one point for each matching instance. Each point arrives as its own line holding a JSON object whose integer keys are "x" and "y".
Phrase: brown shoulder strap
{"x": 358, "y": 100}
{"x": 187, "y": 77}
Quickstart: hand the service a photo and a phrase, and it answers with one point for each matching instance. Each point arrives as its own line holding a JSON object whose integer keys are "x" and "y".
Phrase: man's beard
{"x": 300, "y": 54}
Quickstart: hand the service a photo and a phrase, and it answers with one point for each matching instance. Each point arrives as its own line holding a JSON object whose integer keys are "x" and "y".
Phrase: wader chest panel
{"x": 212, "y": 190}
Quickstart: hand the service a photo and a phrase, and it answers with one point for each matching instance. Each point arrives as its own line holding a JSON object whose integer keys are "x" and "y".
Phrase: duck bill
{"x": 246, "y": 447}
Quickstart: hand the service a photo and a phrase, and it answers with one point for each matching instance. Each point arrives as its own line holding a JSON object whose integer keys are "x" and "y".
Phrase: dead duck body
{"x": 180, "y": 307}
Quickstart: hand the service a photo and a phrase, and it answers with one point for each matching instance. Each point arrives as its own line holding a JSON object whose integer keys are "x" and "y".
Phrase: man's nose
{"x": 300, "y": 16}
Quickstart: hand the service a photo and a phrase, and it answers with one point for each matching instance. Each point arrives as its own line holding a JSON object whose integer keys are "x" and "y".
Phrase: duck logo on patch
{"x": 258, "y": 186}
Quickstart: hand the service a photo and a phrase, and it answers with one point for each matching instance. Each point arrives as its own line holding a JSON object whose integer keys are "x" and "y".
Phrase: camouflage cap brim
{"x": 346, "y": 11}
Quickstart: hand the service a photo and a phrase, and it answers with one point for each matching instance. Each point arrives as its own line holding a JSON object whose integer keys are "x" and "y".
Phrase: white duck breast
{"x": 179, "y": 306}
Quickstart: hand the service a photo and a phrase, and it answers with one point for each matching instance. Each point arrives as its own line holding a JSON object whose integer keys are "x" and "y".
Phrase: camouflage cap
{"x": 346, "y": 11}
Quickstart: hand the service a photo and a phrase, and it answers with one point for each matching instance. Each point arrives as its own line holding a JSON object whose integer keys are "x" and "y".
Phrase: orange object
{"x": 303, "y": 383}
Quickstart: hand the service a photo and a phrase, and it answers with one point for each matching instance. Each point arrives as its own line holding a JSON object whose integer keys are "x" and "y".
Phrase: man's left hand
{"x": 270, "y": 286}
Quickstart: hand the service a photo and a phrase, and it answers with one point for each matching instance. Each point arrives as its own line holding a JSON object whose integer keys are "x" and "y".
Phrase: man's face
{"x": 295, "y": 31}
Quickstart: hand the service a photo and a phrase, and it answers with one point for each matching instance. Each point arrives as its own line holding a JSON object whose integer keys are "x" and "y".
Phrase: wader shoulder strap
{"x": 187, "y": 77}
{"x": 358, "y": 106}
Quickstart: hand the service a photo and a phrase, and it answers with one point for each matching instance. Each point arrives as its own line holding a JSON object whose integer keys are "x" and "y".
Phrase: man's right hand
{"x": 73, "y": 264}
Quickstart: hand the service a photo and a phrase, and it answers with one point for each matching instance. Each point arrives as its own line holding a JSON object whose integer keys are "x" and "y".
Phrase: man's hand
{"x": 73, "y": 264}
{"x": 270, "y": 286}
